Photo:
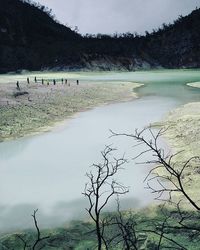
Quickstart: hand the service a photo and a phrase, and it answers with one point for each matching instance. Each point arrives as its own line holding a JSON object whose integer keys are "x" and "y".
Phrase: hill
{"x": 30, "y": 38}
{"x": 176, "y": 45}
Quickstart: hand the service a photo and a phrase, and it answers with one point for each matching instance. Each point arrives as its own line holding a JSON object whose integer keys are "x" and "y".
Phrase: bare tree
{"x": 167, "y": 173}
{"x": 170, "y": 178}
{"x": 100, "y": 188}
{"x": 127, "y": 235}
{"x": 123, "y": 230}
{"x": 38, "y": 239}
{"x": 133, "y": 234}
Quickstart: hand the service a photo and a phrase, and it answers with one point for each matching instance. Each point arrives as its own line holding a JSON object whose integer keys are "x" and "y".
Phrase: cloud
{"x": 109, "y": 16}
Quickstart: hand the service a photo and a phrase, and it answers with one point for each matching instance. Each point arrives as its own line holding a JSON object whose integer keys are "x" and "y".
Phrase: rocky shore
{"x": 36, "y": 107}
{"x": 183, "y": 135}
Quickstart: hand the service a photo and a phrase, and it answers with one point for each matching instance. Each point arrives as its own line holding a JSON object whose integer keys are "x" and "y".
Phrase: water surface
{"x": 48, "y": 171}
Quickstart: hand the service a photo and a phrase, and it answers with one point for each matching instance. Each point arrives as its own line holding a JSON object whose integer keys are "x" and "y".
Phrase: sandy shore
{"x": 183, "y": 135}
{"x": 194, "y": 84}
{"x": 40, "y": 107}
{"x": 183, "y": 128}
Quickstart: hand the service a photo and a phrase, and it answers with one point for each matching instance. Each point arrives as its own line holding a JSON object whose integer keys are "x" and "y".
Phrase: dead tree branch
{"x": 39, "y": 239}
{"x": 101, "y": 187}
{"x": 172, "y": 179}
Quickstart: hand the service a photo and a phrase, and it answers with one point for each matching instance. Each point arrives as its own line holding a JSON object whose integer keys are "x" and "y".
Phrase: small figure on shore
{"x": 35, "y": 79}
{"x": 65, "y": 81}
{"x": 18, "y": 88}
{"x": 54, "y": 82}
{"x": 77, "y": 82}
{"x": 47, "y": 83}
{"x": 62, "y": 80}
{"x": 28, "y": 80}
{"x": 42, "y": 81}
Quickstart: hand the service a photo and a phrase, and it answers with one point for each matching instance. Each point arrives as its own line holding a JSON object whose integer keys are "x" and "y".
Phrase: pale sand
{"x": 183, "y": 135}
{"x": 194, "y": 84}
{"x": 45, "y": 106}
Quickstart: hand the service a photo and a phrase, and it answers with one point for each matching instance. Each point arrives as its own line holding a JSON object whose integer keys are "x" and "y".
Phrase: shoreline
{"x": 183, "y": 136}
{"x": 47, "y": 107}
{"x": 194, "y": 84}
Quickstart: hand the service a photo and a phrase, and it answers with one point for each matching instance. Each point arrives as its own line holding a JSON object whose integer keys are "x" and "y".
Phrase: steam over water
{"x": 48, "y": 171}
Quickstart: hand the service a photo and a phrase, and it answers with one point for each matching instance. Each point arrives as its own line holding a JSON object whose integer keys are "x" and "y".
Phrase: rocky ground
{"x": 183, "y": 135}
{"x": 182, "y": 126}
{"x": 36, "y": 107}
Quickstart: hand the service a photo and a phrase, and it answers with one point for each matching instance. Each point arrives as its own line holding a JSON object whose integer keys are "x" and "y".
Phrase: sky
{"x": 110, "y": 16}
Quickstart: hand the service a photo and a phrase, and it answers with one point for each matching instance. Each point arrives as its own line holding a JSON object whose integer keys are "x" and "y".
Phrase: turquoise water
{"x": 48, "y": 171}
{"x": 168, "y": 83}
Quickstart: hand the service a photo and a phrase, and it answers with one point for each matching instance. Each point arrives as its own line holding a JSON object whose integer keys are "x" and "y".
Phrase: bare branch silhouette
{"x": 169, "y": 181}
{"x": 101, "y": 188}
{"x": 39, "y": 239}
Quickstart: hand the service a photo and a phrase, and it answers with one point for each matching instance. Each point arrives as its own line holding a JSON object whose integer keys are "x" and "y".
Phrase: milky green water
{"x": 48, "y": 171}
{"x": 168, "y": 83}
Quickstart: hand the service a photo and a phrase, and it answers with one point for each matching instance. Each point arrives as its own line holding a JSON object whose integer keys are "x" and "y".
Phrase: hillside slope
{"x": 31, "y": 39}
{"x": 177, "y": 45}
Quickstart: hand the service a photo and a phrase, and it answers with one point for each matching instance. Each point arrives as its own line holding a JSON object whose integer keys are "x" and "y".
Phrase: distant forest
{"x": 31, "y": 38}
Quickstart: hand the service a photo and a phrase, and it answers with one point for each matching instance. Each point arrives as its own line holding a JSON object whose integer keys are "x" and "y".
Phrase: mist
{"x": 110, "y": 16}
{"x": 18, "y": 217}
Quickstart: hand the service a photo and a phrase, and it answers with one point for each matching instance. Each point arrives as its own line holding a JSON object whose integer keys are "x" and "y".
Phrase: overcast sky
{"x": 110, "y": 16}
